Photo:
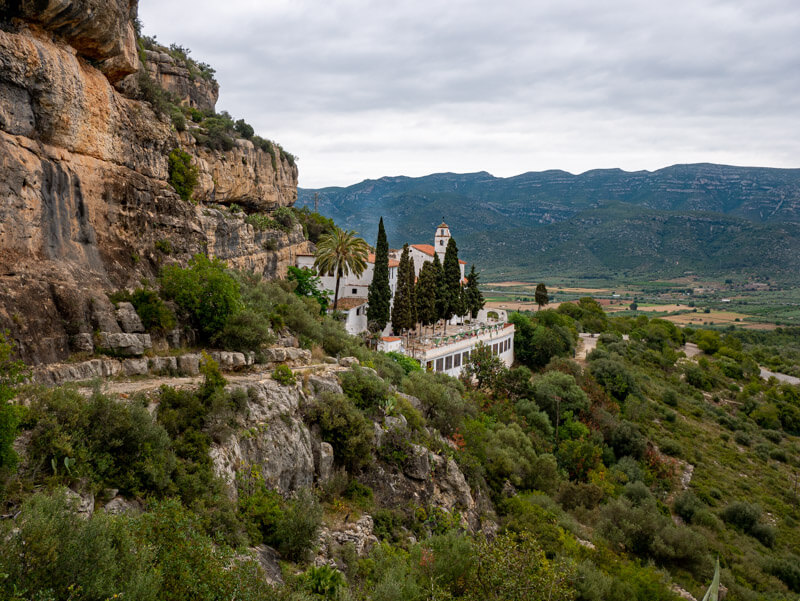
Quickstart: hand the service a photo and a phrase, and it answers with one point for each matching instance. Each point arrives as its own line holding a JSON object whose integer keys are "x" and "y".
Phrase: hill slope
{"x": 708, "y": 219}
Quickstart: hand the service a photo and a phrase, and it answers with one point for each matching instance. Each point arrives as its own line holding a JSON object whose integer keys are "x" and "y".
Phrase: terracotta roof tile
{"x": 345, "y": 304}
{"x": 392, "y": 262}
{"x": 426, "y": 248}
{"x": 390, "y": 338}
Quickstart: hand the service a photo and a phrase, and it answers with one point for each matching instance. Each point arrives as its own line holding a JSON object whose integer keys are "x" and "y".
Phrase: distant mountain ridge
{"x": 704, "y": 218}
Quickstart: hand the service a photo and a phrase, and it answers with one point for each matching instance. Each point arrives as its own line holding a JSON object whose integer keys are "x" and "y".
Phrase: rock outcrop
{"x": 271, "y": 437}
{"x": 177, "y": 78}
{"x": 84, "y": 179}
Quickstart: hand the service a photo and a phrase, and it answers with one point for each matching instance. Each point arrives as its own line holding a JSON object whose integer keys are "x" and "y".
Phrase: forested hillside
{"x": 710, "y": 220}
{"x": 333, "y": 471}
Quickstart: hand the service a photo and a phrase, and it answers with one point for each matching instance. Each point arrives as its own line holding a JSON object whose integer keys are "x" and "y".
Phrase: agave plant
{"x": 712, "y": 594}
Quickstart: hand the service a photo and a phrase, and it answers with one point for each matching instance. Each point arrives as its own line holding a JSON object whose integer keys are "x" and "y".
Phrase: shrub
{"x": 407, "y": 363}
{"x": 296, "y": 529}
{"x": 787, "y": 570}
{"x": 12, "y": 373}
{"x": 686, "y": 505}
{"x": 110, "y": 443}
{"x": 155, "y": 315}
{"x": 182, "y": 173}
{"x": 323, "y": 581}
{"x": 444, "y": 406}
{"x": 671, "y": 448}
{"x": 613, "y": 376}
{"x": 204, "y": 291}
{"x": 284, "y": 375}
{"x": 742, "y": 515}
{"x": 347, "y": 430}
{"x": 246, "y": 330}
{"x": 366, "y": 389}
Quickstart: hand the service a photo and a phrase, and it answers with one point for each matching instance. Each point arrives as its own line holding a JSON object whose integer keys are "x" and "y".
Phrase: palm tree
{"x": 341, "y": 253}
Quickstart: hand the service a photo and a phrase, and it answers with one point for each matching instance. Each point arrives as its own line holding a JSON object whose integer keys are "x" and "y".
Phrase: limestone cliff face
{"x": 84, "y": 195}
{"x": 178, "y": 80}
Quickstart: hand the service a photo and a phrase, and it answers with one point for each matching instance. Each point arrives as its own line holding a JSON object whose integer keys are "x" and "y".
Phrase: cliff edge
{"x": 86, "y": 206}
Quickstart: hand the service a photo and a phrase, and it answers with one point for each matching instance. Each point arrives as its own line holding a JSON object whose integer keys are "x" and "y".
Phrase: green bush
{"x": 296, "y": 529}
{"x": 323, "y": 581}
{"x": 742, "y": 515}
{"x": 407, "y": 363}
{"x": 113, "y": 444}
{"x": 787, "y": 570}
{"x": 12, "y": 373}
{"x": 686, "y": 505}
{"x": 284, "y": 375}
{"x": 614, "y": 377}
{"x": 182, "y": 173}
{"x": 204, "y": 291}
{"x": 444, "y": 406}
{"x": 347, "y": 430}
{"x": 155, "y": 315}
{"x": 246, "y": 330}
{"x": 367, "y": 390}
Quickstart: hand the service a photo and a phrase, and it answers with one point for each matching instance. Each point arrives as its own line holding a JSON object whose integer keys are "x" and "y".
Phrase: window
{"x": 441, "y": 242}
{"x": 494, "y": 349}
{"x": 448, "y": 362}
{"x": 439, "y": 364}
{"x": 465, "y": 356}
{"x": 355, "y": 291}
{"x": 457, "y": 360}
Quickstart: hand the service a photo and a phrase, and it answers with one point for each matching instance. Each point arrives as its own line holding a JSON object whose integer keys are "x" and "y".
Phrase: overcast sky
{"x": 361, "y": 89}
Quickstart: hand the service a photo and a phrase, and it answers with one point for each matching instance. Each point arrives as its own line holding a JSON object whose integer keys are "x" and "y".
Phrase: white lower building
{"x": 449, "y": 355}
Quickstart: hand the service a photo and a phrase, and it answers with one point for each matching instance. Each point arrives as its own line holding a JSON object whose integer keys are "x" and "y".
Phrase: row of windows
{"x": 457, "y": 359}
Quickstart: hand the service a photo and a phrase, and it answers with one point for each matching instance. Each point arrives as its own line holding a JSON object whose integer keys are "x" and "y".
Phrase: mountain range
{"x": 703, "y": 219}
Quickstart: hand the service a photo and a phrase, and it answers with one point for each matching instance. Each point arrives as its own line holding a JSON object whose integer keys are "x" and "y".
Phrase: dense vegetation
{"x": 581, "y": 464}
{"x": 709, "y": 220}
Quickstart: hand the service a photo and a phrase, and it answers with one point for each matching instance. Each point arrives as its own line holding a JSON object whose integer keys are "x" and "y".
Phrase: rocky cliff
{"x": 84, "y": 192}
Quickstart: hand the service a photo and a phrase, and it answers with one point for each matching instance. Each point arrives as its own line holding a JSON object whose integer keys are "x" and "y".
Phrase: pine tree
{"x": 452, "y": 302}
{"x": 540, "y": 296}
{"x": 473, "y": 298}
{"x": 404, "y": 311}
{"x": 425, "y": 291}
{"x": 380, "y": 295}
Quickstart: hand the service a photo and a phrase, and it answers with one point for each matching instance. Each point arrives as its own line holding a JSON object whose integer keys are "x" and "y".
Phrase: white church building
{"x": 436, "y": 353}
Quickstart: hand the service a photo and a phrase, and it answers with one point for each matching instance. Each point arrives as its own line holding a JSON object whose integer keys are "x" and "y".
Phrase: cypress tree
{"x": 425, "y": 291}
{"x": 441, "y": 294}
{"x": 404, "y": 311}
{"x": 452, "y": 301}
{"x": 380, "y": 294}
{"x": 473, "y": 297}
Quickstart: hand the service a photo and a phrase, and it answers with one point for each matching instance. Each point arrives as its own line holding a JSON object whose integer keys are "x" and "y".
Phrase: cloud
{"x": 361, "y": 89}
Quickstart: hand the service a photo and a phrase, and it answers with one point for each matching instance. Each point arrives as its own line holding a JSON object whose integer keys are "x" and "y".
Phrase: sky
{"x": 361, "y": 89}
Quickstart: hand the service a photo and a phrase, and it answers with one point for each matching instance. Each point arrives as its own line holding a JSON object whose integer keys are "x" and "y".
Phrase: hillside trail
{"x": 125, "y": 387}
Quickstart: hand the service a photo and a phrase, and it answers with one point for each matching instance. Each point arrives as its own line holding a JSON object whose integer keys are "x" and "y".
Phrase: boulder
{"x": 135, "y": 367}
{"x": 324, "y": 462}
{"x": 133, "y": 345}
{"x": 326, "y": 382}
{"x": 418, "y": 466}
{"x": 189, "y": 365}
{"x": 83, "y": 502}
{"x": 82, "y": 343}
{"x": 119, "y": 505}
{"x": 349, "y": 361}
{"x": 128, "y": 319}
{"x": 164, "y": 365}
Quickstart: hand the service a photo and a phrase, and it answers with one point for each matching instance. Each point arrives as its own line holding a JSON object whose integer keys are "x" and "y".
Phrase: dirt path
{"x": 150, "y": 384}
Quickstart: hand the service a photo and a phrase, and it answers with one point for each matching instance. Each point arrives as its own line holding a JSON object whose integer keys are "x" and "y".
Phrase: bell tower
{"x": 440, "y": 240}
